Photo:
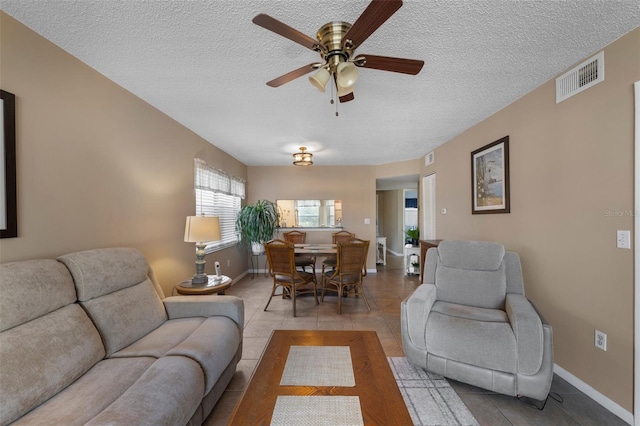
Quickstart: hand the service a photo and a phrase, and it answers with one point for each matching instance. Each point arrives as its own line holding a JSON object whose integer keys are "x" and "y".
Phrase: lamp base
{"x": 200, "y": 280}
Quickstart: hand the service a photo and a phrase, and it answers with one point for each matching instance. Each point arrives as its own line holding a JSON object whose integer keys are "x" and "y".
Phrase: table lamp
{"x": 201, "y": 230}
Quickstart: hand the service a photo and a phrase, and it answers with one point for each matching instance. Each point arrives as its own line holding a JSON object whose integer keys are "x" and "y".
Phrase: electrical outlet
{"x": 623, "y": 239}
{"x": 601, "y": 340}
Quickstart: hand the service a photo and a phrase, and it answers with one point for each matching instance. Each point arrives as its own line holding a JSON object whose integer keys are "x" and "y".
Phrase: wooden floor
{"x": 385, "y": 290}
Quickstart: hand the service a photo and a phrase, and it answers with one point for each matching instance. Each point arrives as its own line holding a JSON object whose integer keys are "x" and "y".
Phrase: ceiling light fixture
{"x": 336, "y": 58}
{"x": 303, "y": 158}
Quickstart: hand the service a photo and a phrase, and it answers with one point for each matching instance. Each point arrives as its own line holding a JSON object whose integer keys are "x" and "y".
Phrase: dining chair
{"x": 302, "y": 260}
{"x": 282, "y": 267}
{"x": 349, "y": 272}
{"x": 336, "y": 237}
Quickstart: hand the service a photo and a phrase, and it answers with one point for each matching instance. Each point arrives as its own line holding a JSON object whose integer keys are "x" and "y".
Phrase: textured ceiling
{"x": 205, "y": 64}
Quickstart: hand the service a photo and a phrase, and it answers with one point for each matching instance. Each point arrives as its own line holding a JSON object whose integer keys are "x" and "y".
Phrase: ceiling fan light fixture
{"x": 343, "y": 91}
{"x": 347, "y": 74}
{"x": 319, "y": 79}
{"x": 303, "y": 158}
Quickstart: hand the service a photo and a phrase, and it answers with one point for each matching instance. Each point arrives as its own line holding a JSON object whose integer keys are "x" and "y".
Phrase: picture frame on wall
{"x": 490, "y": 178}
{"x": 8, "y": 189}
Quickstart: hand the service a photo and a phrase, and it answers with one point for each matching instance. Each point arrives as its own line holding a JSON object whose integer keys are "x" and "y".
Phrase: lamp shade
{"x": 346, "y": 74}
{"x": 200, "y": 229}
{"x": 319, "y": 79}
{"x": 343, "y": 91}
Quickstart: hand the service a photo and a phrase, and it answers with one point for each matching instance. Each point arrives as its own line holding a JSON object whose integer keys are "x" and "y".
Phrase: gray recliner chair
{"x": 470, "y": 321}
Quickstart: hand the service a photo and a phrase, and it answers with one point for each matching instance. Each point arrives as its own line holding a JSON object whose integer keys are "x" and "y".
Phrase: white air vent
{"x": 428, "y": 159}
{"x": 585, "y": 75}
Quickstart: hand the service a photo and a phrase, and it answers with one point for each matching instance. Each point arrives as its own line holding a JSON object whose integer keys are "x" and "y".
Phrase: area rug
{"x": 430, "y": 399}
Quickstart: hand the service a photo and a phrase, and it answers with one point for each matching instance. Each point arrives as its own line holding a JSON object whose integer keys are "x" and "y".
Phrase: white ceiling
{"x": 205, "y": 64}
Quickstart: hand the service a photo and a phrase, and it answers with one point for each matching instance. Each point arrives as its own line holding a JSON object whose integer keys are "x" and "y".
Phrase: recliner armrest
{"x": 527, "y": 327}
{"x": 417, "y": 308}
{"x": 206, "y": 306}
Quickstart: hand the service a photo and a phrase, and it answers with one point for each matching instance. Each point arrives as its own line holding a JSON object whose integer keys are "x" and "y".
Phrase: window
{"x": 218, "y": 194}
{"x": 307, "y": 212}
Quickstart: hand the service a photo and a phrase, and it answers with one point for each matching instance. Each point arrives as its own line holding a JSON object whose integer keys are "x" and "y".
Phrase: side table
{"x": 212, "y": 287}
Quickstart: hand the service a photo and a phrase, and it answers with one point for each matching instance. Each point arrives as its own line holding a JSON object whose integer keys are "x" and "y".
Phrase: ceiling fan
{"x": 336, "y": 43}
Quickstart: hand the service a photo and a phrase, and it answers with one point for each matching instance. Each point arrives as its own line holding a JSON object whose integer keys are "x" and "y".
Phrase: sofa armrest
{"x": 527, "y": 327}
{"x": 206, "y": 306}
{"x": 416, "y": 309}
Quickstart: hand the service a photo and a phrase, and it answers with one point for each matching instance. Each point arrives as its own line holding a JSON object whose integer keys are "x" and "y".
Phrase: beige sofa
{"x": 89, "y": 339}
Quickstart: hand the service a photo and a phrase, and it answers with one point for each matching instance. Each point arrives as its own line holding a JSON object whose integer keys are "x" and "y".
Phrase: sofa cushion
{"x": 471, "y": 273}
{"x": 485, "y": 289}
{"x": 212, "y": 342}
{"x": 31, "y": 289}
{"x": 126, "y": 315}
{"x": 43, "y": 356}
{"x": 90, "y": 394}
{"x": 470, "y": 312}
{"x": 473, "y": 255}
{"x": 168, "y": 393}
{"x": 102, "y": 271}
{"x": 488, "y": 344}
{"x": 114, "y": 287}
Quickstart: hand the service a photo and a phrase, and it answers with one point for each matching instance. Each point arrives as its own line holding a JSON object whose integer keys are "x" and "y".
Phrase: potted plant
{"x": 413, "y": 234}
{"x": 257, "y": 223}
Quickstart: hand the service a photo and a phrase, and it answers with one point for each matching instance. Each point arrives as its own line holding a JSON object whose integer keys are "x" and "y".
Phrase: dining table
{"x": 315, "y": 249}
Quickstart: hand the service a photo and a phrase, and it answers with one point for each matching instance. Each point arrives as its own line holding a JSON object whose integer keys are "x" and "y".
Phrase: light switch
{"x": 367, "y": 221}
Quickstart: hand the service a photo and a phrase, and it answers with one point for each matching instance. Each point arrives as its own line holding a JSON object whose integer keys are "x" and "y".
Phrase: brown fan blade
{"x": 272, "y": 24}
{"x": 277, "y": 82}
{"x": 346, "y": 98}
{"x": 387, "y": 63}
{"x": 373, "y": 16}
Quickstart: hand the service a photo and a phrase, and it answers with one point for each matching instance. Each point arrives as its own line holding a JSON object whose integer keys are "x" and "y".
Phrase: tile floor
{"x": 384, "y": 292}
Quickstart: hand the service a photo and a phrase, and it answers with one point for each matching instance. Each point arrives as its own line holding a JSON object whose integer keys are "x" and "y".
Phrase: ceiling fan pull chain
{"x": 333, "y": 93}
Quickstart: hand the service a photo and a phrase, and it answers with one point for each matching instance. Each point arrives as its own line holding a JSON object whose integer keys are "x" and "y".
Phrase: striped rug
{"x": 429, "y": 397}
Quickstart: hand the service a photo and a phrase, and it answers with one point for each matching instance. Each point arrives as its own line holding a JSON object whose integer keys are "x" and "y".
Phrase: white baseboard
{"x": 239, "y": 277}
{"x": 594, "y": 394}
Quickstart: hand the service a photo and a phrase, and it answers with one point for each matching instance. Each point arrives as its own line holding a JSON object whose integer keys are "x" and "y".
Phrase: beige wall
{"x": 393, "y": 218}
{"x": 571, "y": 169}
{"x": 399, "y": 168}
{"x": 98, "y": 167}
{"x": 354, "y": 185}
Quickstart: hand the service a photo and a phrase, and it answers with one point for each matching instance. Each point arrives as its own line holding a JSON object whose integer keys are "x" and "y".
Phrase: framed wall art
{"x": 8, "y": 190}
{"x": 490, "y": 178}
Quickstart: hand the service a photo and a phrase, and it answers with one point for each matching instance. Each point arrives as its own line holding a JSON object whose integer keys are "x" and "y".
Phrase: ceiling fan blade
{"x": 292, "y": 75}
{"x": 272, "y": 24}
{"x": 373, "y": 16}
{"x": 346, "y": 98}
{"x": 387, "y": 63}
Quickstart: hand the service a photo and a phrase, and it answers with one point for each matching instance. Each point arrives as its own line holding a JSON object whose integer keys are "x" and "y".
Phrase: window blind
{"x": 218, "y": 194}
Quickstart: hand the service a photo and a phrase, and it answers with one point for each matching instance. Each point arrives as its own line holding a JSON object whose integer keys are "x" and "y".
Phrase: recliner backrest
{"x": 114, "y": 287}
{"x": 47, "y": 341}
{"x": 471, "y": 273}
